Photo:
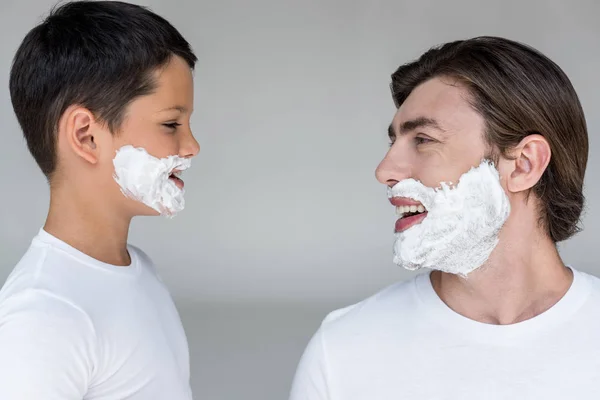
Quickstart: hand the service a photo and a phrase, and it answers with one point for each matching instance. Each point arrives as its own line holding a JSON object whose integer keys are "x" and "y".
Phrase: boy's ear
{"x": 77, "y": 126}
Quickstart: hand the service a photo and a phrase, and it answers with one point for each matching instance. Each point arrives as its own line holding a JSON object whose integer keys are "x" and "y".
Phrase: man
{"x": 103, "y": 92}
{"x": 486, "y": 168}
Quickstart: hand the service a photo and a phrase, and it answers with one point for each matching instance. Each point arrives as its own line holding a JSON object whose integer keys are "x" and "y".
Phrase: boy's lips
{"x": 175, "y": 177}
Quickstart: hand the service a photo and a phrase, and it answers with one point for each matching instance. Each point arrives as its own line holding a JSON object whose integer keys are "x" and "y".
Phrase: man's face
{"x": 437, "y": 138}
{"x": 159, "y": 123}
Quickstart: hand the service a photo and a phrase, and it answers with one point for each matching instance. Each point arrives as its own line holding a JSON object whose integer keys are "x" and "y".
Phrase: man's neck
{"x": 522, "y": 279}
{"x": 88, "y": 226}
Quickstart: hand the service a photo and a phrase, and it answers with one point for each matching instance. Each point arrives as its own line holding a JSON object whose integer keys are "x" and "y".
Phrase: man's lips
{"x": 412, "y": 212}
{"x": 403, "y": 201}
{"x": 404, "y": 223}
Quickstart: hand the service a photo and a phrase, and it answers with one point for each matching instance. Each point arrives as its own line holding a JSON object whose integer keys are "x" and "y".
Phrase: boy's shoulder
{"x": 144, "y": 260}
{"x": 136, "y": 252}
{"x": 41, "y": 311}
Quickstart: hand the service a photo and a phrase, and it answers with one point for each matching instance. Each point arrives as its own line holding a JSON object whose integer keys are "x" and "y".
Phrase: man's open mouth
{"x": 410, "y": 213}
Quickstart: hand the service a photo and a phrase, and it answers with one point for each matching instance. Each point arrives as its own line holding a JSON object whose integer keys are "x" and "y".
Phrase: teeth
{"x": 401, "y": 210}
{"x": 180, "y": 167}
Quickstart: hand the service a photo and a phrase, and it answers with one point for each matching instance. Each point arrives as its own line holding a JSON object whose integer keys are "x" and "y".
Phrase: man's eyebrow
{"x": 391, "y": 133}
{"x": 413, "y": 124}
{"x": 420, "y": 122}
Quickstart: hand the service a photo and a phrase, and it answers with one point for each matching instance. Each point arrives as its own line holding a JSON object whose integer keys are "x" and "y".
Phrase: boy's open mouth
{"x": 176, "y": 178}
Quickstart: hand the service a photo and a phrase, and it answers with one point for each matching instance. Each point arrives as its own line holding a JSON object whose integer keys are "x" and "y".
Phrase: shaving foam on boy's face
{"x": 150, "y": 180}
{"x": 461, "y": 225}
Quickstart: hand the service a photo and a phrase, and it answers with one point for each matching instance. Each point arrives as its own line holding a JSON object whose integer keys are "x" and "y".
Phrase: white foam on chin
{"x": 145, "y": 178}
{"x": 462, "y": 223}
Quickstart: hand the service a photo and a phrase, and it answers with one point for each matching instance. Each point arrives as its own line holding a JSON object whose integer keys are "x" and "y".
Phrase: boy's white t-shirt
{"x": 73, "y": 328}
{"x": 404, "y": 343}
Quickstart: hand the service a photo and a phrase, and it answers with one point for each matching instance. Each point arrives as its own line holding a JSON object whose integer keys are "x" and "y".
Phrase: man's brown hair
{"x": 519, "y": 92}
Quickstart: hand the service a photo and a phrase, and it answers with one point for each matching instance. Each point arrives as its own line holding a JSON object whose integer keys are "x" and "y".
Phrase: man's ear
{"x": 531, "y": 158}
{"x": 78, "y": 125}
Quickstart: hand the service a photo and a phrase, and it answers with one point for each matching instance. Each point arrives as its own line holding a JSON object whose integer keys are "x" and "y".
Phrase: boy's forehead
{"x": 174, "y": 87}
{"x": 174, "y": 68}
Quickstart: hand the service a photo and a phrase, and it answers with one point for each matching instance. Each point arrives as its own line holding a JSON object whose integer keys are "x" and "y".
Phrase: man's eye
{"x": 422, "y": 140}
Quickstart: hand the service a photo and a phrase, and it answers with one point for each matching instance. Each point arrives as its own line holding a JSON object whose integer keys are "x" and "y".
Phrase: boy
{"x": 103, "y": 92}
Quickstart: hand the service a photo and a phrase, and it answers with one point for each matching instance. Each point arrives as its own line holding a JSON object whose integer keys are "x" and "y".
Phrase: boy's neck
{"x": 89, "y": 226}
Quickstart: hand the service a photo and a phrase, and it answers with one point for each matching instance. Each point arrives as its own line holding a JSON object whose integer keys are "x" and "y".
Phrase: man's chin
{"x": 433, "y": 260}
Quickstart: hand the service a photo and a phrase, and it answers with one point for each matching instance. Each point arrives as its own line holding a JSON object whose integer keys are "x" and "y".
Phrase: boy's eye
{"x": 172, "y": 125}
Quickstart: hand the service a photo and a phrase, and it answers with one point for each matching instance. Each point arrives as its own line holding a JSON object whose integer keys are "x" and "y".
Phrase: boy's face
{"x": 159, "y": 123}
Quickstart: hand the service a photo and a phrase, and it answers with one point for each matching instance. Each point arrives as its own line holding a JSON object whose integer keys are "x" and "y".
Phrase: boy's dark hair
{"x": 97, "y": 54}
{"x": 519, "y": 92}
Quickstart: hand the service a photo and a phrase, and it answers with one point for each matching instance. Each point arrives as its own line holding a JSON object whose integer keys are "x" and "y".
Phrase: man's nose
{"x": 395, "y": 166}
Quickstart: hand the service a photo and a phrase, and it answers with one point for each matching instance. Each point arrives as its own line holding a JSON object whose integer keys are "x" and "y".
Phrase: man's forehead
{"x": 401, "y": 127}
{"x": 432, "y": 97}
{"x": 435, "y": 104}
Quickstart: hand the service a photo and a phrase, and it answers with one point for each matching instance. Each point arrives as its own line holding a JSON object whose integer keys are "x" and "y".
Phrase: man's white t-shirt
{"x": 73, "y": 328}
{"x": 404, "y": 343}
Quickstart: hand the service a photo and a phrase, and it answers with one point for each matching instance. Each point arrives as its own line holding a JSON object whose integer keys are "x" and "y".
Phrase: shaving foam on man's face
{"x": 150, "y": 180}
{"x": 453, "y": 228}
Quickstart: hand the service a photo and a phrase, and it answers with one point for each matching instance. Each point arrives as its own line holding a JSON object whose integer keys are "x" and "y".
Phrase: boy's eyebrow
{"x": 181, "y": 109}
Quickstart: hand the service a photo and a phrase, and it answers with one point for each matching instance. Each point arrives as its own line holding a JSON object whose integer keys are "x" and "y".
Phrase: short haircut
{"x": 97, "y": 54}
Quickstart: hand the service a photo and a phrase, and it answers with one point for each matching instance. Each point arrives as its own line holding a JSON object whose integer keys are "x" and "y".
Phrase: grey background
{"x": 285, "y": 220}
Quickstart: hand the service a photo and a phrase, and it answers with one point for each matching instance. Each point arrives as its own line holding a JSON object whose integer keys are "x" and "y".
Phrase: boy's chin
{"x": 136, "y": 208}
{"x": 149, "y": 212}
{"x": 146, "y": 211}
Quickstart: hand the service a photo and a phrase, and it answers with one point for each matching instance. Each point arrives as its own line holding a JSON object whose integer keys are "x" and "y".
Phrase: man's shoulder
{"x": 393, "y": 304}
{"x": 592, "y": 278}
{"x": 592, "y": 282}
